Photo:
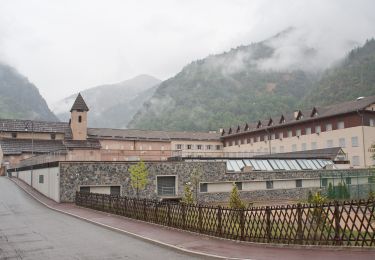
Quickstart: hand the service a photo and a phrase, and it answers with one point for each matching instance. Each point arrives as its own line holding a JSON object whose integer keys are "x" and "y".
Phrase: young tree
{"x": 235, "y": 201}
{"x": 188, "y": 194}
{"x": 138, "y": 176}
{"x": 195, "y": 178}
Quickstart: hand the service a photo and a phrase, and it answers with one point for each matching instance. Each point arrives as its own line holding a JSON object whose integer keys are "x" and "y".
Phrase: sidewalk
{"x": 196, "y": 244}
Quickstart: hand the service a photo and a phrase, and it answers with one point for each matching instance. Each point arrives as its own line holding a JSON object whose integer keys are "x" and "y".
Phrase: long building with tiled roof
{"x": 349, "y": 125}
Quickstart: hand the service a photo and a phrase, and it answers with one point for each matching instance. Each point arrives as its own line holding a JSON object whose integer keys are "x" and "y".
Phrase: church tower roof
{"x": 79, "y": 104}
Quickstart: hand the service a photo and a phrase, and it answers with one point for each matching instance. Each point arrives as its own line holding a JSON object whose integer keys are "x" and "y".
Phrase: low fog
{"x": 67, "y": 46}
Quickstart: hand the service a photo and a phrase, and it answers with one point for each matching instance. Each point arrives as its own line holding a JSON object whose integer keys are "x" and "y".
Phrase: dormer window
{"x": 230, "y": 131}
{"x": 246, "y": 127}
{"x": 282, "y": 120}
{"x": 314, "y": 112}
{"x": 259, "y": 124}
{"x": 238, "y": 129}
{"x": 79, "y": 119}
{"x": 53, "y": 136}
{"x": 298, "y": 115}
{"x": 270, "y": 122}
{"x": 14, "y": 135}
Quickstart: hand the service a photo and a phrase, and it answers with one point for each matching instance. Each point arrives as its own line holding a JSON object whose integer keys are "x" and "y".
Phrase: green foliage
{"x": 138, "y": 176}
{"x": 331, "y": 191}
{"x": 352, "y": 78}
{"x": 195, "y": 178}
{"x": 19, "y": 98}
{"x": 188, "y": 194}
{"x": 235, "y": 201}
{"x": 210, "y": 94}
{"x": 317, "y": 198}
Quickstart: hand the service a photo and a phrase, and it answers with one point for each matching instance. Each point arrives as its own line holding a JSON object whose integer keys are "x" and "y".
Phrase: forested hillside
{"x": 21, "y": 99}
{"x": 351, "y": 78}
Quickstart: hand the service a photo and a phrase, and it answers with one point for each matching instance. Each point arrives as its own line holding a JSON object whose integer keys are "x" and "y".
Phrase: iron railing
{"x": 350, "y": 223}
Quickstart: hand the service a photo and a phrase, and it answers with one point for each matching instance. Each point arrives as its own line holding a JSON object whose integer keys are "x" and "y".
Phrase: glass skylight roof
{"x": 278, "y": 164}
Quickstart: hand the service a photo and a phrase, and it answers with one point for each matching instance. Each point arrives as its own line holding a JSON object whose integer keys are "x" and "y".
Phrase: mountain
{"x": 353, "y": 77}
{"x": 20, "y": 99}
{"x": 111, "y": 105}
{"x": 245, "y": 84}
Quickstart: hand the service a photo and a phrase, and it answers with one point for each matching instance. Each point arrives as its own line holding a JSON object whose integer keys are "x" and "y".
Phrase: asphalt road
{"x": 28, "y": 230}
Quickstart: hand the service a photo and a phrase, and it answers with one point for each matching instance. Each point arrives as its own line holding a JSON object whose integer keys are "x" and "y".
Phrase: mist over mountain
{"x": 20, "y": 99}
{"x": 245, "y": 83}
{"x": 111, "y": 105}
{"x": 352, "y": 77}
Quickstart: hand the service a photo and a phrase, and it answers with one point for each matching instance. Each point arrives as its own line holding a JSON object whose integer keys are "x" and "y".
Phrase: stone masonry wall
{"x": 76, "y": 174}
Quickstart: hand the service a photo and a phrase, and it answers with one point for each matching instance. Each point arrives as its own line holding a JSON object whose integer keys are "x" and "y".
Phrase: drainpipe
{"x": 363, "y": 138}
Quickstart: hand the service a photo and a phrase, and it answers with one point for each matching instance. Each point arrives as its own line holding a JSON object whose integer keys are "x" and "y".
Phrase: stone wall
{"x": 76, "y": 174}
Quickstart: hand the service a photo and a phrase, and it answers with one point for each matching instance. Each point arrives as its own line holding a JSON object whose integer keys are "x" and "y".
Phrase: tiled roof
{"x": 79, "y": 104}
{"x": 17, "y": 146}
{"x": 133, "y": 134}
{"x": 17, "y": 125}
{"x": 326, "y": 153}
{"x": 322, "y": 112}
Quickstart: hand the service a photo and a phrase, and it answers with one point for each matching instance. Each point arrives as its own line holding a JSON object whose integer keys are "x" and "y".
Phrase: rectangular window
{"x": 239, "y": 185}
{"x": 84, "y": 189}
{"x": 265, "y": 137}
{"x": 298, "y": 132}
{"x": 115, "y": 190}
{"x": 308, "y": 130}
{"x": 41, "y": 178}
{"x": 203, "y": 187}
{"x": 355, "y": 160}
{"x": 189, "y": 147}
{"x": 340, "y": 125}
{"x": 272, "y": 136}
{"x": 342, "y": 142}
{"x": 324, "y": 182}
{"x": 313, "y": 146}
{"x": 303, "y": 147}
{"x": 248, "y": 140}
{"x": 199, "y": 147}
{"x": 258, "y": 138}
{"x": 281, "y": 135}
{"x": 208, "y": 147}
{"x": 14, "y": 135}
{"x": 348, "y": 180}
{"x": 269, "y": 184}
{"x": 290, "y": 133}
{"x": 328, "y": 127}
{"x": 329, "y": 143}
{"x": 218, "y": 147}
{"x": 318, "y": 129}
{"x": 371, "y": 179}
{"x": 355, "y": 141}
{"x": 166, "y": 185}
{"x": 294, "y": 148}
{"x": 372, "y": 122}
{"x": 298, "y": 183}
{"x": 53, "y": 136}
{"x": 179, "y": 146}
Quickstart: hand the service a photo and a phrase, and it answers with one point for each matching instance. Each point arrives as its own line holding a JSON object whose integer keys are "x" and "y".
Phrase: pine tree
{"x": 235, "y": 201}
{"x": 188, "y": 194}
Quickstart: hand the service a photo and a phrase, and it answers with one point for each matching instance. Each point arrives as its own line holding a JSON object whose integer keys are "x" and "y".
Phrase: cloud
{"x": 67, "y": 46}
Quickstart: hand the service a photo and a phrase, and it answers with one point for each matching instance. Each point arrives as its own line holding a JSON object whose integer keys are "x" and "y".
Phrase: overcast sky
{"x": 70, "y": 45}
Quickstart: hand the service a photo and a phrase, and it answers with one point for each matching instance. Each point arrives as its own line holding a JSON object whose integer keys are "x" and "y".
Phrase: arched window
{"x": 79, "y": 119}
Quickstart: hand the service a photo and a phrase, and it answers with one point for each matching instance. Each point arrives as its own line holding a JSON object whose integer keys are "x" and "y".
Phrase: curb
{"x": 156, "y": 242}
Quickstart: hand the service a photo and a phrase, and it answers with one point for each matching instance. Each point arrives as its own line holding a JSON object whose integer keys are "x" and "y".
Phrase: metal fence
{"x": 336, "y": 223}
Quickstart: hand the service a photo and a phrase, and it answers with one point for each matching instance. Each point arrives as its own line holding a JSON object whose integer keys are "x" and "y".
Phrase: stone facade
{"x": 76, "y": 174}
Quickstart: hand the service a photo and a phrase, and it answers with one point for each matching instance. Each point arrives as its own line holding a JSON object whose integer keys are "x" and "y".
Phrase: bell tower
{"x": 78, "y": 118}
